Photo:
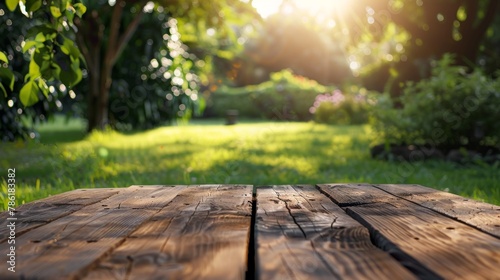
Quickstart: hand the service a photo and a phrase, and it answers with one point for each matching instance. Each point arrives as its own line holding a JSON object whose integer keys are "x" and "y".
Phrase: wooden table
{"x": 330, "y": 231}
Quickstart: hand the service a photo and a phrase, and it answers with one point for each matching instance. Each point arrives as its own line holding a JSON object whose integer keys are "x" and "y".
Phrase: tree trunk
{"x": 91, "y": 104}
{"x": 90, "y": 41}
{"x": 97, "y": 102}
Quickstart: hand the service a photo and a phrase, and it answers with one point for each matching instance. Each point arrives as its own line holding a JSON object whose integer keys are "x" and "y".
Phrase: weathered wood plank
{"x": 201, "y": 234}
{"x": 72, "y": 243}
{"x": 428, "y": 243}
{"x": 301, "y": 234}
{"x": 354, "y": 194}
{"x": 43, "y": 211}
{"x": 481, "y": 215}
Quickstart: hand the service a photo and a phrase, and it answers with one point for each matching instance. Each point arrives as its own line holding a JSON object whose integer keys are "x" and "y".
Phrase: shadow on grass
{"x": 60, "y": 129}
{"x": 61, "y": 136}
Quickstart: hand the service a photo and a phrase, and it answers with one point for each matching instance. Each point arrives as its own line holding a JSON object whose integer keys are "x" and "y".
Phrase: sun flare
{"x": 318, "y": 6}
{"x": 314, "y": 7}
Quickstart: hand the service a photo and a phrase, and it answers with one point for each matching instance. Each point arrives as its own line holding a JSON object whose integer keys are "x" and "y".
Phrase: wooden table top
{"x": 328, "y": 231}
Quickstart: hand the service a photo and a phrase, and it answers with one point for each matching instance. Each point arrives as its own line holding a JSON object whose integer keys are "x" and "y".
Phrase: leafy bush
{"x": 451, "y": 109}
{"x": 284, "y": 97}
{"x": 339, "y": 108}
{"x": 230, "y": 100}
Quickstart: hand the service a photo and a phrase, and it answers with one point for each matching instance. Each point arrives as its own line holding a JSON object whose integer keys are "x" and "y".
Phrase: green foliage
{"x": 12, "y": 4}
{"x": 452, "y": 109}
{"x": 233, "y": 99}
{"x": 252, "y": 153}
{"x": 6, "y": 75}
{"x": 29, "y": 93}
{"x": 164, "y": 85}
{"x": 284, "y": 97}
{"x": 287, "y": 96}
{"x": 49, "y": 45}
{"x": 338, "y": 108}
{"x": 3, "y": 57}
{"x": 14, "y": 89}
{"x": 53, "y": 55}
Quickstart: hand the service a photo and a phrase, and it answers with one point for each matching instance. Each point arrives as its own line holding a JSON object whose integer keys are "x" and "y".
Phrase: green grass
{"x": 248, "y": 153}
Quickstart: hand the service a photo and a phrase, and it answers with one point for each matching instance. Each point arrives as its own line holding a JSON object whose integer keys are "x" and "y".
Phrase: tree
{"x": 105, "y": 30}
{"x": 165, "y": 84}
{"x": 435, "y": 27}
{"x": 102, "y": 33}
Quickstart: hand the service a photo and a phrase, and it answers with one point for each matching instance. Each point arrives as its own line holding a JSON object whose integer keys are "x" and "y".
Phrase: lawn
{"x": 258, "y": 153}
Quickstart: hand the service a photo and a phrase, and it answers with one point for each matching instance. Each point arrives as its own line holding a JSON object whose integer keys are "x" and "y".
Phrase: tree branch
{"x": 116, "y": 18}
{"x": 127, "y": 34}
{"x": 81, "y": 43}
{"x": 89, "y": 41}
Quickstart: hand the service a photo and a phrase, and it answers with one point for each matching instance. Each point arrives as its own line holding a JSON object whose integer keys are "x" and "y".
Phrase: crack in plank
{"x": 291, "y": 215}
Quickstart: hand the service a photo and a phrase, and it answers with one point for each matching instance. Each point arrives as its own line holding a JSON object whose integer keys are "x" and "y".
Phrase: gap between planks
{"x": 302, "y": 234}
{"x": 359, "y": 208}
{"x": 202, "y": 233}
{"x": 427, "y": 242}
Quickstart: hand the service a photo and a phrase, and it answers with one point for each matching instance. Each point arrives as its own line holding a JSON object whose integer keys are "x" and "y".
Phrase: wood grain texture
{"x": 43, "y": 211}
{"x": 201, "y": 234}
{"x": 483, "y": 216}
{"x": 301, "y": 234}
{"x": 430, "y": 244}
{"x": 68, "y": 245}
{"x": 354, "y": 194}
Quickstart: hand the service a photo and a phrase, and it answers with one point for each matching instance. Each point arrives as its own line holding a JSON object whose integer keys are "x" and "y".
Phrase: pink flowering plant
{"x": 341, "y": 108}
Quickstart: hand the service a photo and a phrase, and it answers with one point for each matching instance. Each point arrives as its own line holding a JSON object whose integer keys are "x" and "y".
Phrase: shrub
{"x": 339, "y": 108}
{"x": 451, "y": 109}
{"x": 232, "y": 99}
{"x": 284, "y": 97}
